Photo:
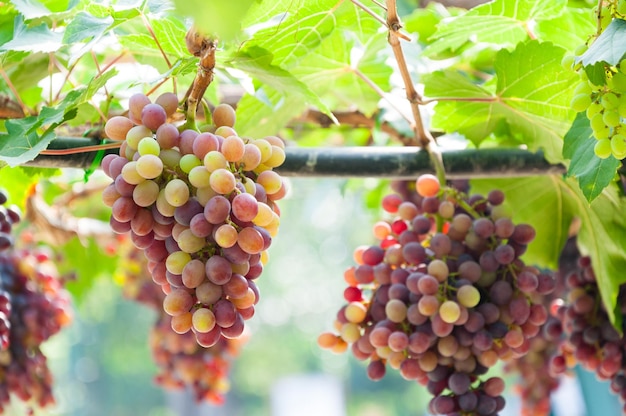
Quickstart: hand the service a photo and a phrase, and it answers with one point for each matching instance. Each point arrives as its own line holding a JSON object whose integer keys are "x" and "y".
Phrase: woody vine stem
{"x": 422, "y": 135}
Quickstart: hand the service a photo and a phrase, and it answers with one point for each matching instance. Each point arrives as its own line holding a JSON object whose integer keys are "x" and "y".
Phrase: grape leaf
{"x": 17, "y": 181}
{"x": 593, "y": 174}
{"x": 528, "y": 199}
{"x": 609, "y": 47}
{"x": 85, "y": 26}
{"x": 220, "y": 18}
{"x": 500, "y": 22}
{"x": 31, "y": 9}
{"x": 603, "y": 237}
{"x": 301, "y": 31}
{"x": 266, "y": 112}
{"x": 23, "y": 143}
{"x": 257, "y": 62}
{"x": 337, "y": 68}
{"x": 569, "y": 30}
{"x": 32, "y": 39}
{"x": 532, "y": 95}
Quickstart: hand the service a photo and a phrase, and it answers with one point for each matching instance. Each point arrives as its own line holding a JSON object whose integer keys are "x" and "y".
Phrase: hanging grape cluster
{"x": 201, "y": 205}
{"x": 603, "y": 99}
{"x": 443, "y": 296}
{"x": 181, "y": 362}
{"x": 33, "y": 307}
{"x": 589, "y": 337}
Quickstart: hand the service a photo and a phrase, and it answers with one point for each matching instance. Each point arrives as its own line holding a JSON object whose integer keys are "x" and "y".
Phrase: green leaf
{"x": 23, "y": 143}
{"x": 266, "y": 112}
{"x": 33, "y": 39}
{"x": 338, "y": 68}
{"x": 593, "y": 174}
{"x": 501, "y": 22}
{"x": 94, "y": 85}
{"x": 546, "y": 203}
{"x": 533, "y": 96}
{"x": 85, "y": 26}
{"x": 220, "y": 18}
{"x": 17, "y": 182}
{"x": 474, "y": 119}
{"x": 88, "y": 260}
{"x": 31, "y": 9}
{"x": 569, "y": 30}
{"x": 171, "y": 33}
{"x": 257, "y": 62}
{"x": 609, "y": 47}
{"x": 300, "y": 32}
{"x": 603, "y": 237}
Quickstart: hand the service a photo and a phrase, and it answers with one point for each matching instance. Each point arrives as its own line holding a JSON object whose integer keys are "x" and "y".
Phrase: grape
{"x": 169, "y": 102}
{"x": 153, "y": 116}
{"x": 224, "y": 115}
{"x": 203, "y": 320}
{"x": 117, "y": 128}
{"x": 602, "y": 148}
{"x": 427, "y": 185}
{"x": 439, "y": 298}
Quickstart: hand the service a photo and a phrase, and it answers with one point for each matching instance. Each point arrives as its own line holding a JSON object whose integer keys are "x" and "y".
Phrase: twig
{"x": 599, "y": 29}
{"x": 469, "y": 99}
{"x": 421, "y": 133}
{"x": 205, "y": 48}
{"x": 379, "y": 4}
{"x": 369, "y": 11}
{"x": 14, "y": 91}
{"x": 382, "y": 95}
{"x": 146, "y": 22}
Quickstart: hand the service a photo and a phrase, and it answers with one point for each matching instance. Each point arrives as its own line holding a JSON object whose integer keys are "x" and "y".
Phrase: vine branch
{"x": 421, "y": 133}
{"x": 205, "y": 48}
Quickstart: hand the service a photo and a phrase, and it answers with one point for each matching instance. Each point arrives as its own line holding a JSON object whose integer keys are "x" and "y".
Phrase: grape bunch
{"x": 535, "y": 381}
{"x": 34, "y": 306}
{"x": 8, "y": 217}
{"x": 603, "y": 101}
{"x": 203, "y": 208}
{"x": 590, "y": 338}
{"x": 443, "y": 296}
{"x": 181, "y": 361}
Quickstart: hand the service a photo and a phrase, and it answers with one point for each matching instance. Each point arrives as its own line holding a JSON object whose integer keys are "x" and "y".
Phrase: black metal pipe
{"x": 378, "y": 162}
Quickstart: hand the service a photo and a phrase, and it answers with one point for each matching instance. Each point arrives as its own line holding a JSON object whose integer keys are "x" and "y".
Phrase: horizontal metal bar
{"x": 359, "y": 162}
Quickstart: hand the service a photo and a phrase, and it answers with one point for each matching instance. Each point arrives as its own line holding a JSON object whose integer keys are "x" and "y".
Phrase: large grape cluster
{"x": 604, "y": 102}
{"x": 590, "y": 338}
{"x": 33, "y": 307}
{"x": 443, "y": 296}
{"x": 181, "y": 362}
{"x": 201, "y": 205}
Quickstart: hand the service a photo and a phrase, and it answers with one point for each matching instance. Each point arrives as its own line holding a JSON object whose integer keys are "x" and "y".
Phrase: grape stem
{"x": 201, "y": 82}
{"x": 422, "y": 135}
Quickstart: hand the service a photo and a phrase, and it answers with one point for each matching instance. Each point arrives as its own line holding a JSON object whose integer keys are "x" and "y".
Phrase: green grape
{"x": 618, "y": 146}
{"x": 611, "y": 118}
{"x": 149, "y": 166}
{"x": 602, "y": 149}
{"x": 449, "y": 311}
{"x": 581, "y": 102}
{"x": 621, "y": 109}
{"x": 583, "y": 88}
{"x": 188, "y": 162}
{"x": 621, "y": 7}
{"x": 597, "y": 122}
{"x": 568, "y": 62}
{"x": 593, "y": 109}
{"x": 148, "y": 146}
{"x": 617, "y": 82}
{"x": 580, "y": 49}
{"x": 622, "y": 67}
{"x": 176, "y": 192}
{"x": 603, "y": 133}
{"x": 609, "y": 101}
{"x": 468, "y": 296}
